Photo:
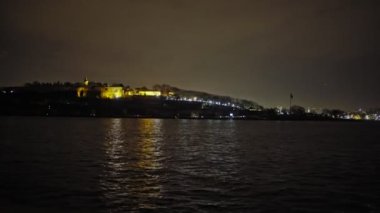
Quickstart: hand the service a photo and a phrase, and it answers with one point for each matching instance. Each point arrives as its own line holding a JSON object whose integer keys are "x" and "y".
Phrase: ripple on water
{"x": 123, "y": 165}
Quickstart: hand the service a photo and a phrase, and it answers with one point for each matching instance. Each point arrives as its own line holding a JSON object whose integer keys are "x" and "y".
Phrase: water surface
{"x": 122, "y": 165}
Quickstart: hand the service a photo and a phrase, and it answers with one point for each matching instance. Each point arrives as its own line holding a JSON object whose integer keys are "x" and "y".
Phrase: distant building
{"x": 85, "y": 82}
{"x": 111, "y": 92}
{"x": 148, "y": 93}
{"x": 82, "y": 92}
{"x": 115, "y": 92}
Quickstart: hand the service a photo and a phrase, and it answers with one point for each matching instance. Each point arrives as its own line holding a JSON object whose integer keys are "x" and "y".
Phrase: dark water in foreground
{"x": 122, "y": 165}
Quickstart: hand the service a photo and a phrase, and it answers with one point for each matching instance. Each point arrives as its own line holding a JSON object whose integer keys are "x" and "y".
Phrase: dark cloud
{"x": 325, "y": 52}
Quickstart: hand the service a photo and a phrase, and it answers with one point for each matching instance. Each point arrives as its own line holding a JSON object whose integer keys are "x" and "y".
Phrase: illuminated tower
{"x": 85, "y": 82}
{"x": 82, "y": 90}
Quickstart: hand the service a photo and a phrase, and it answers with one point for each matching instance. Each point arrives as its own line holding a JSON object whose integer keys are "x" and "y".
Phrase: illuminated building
{"x": 115, "y": 92}
{"x": 152, "y": 93}
{"x": 82, "y": 92}
{"x": 148, "y": 93}
{"x": 111, "y": 92}
{"x": 85, "y": 82}
{"x": 129, "y": 92}
{"x": 356, "y": 117}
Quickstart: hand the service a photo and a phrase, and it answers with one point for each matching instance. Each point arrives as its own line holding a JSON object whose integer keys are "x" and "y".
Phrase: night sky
{"x": 325, "y": 52}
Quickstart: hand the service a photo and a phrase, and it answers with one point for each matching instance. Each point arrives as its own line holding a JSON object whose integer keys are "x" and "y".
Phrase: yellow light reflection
{"x": 150, "y": 132}
{"x": 150, "y": 155}
{"x": 114, "y": 151}
{"x": 133, "y": 152}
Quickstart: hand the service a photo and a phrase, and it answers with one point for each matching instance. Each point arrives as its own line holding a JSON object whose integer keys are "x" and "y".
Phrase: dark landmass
{"x": 62, "y": 100}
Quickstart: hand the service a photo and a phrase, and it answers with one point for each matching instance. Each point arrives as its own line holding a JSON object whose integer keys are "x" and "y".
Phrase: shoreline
{"x": 189, "y": 118}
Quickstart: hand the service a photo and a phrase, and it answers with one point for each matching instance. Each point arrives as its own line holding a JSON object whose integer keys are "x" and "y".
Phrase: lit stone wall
{"x": 111, "y": 92}
{"x": 82, "y": 92}
{"x": 149, "y": 93}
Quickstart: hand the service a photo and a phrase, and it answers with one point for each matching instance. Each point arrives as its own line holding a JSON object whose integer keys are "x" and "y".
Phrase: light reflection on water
{"x": 115, "y": 145}
{"x": 137, "y": 166}
{"x": 150, "y": 143}
{"x": 133, "y": 153}
{"x": 149, "y": 156}
{"x": 124, "y": 165}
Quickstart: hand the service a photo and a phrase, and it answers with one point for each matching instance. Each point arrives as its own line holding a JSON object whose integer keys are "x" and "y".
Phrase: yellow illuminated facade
{"x": 148, "y": 93}
{"x": 111, "y": 92}
{"x": 115, "y": 92}
{"x": 82, "y": 92}
{"x": 85, "y": 82}
{"x": 154, "y": 93}
{"x": 356, "y": 117}
{"x": 129, "y": 93}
